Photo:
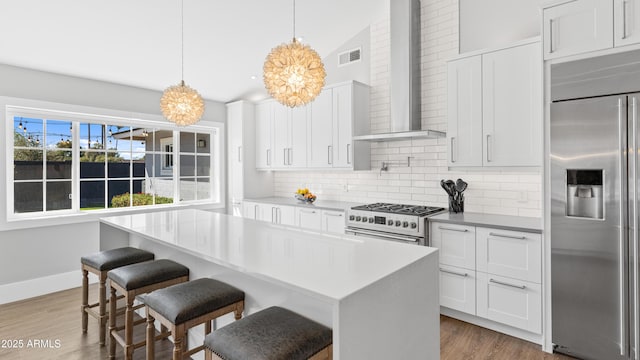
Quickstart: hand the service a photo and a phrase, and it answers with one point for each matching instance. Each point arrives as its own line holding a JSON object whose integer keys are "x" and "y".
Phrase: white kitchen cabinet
{"x": 333, "y": 221}
{"x": 495, "y": 108}
{"x": 464, "y": 131}
{"x": 320, "y": 137}
{"x": 264, "y": 151}
{"x": 512, "y": 302}
{"x": 337, "y": 114}
{"x": 242, "y": 177}
{"x": 577, "y": 27}
{"x": 512, "y": 106}
{"x": 289, "y": 136}
{"x": 254, "y": 211}
{"x": 626, "y": 14}
{"x": 282, "y": 215}
{"x": 309, "y": 219}
{"x": 456, "y": 243}
{"x": 458, "y": 289}
{"x": 512, "y": 254}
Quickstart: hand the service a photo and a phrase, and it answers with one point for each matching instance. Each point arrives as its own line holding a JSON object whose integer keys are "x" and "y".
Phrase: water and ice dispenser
{"x": 584, "y": 194}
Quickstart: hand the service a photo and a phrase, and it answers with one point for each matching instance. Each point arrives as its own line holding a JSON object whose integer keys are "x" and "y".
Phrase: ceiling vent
{"x": 349, "y": 57}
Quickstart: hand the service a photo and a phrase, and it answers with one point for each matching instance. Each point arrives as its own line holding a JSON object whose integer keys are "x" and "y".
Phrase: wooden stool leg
{"x": 128, "y": 328}
{"x": 85, "y": 300}
{"x": 103, "y": 307}
{"x": 179, "y": 333}
{"x": 151, "y": 348}
{"x": 112, "y": 324}
{"x": 239, "y": 309}
{"x": 207, "y": 354}
{"x": 164, "y": 330}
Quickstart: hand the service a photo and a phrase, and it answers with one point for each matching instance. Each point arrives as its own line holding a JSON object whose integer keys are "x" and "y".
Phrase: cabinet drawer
{"x": 458, "y": 289}
{"x": 309, "y": 219}
{"x": 512, "y": 302}
{"x": 513, "y": 254}
{"x": 457, "y": 244}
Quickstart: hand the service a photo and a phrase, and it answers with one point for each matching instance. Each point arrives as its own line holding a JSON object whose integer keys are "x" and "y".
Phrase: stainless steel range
{"x": 397, "y": 222}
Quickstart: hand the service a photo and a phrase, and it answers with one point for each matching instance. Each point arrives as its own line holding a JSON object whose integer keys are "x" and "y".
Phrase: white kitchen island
{"x": 379, "y": 297}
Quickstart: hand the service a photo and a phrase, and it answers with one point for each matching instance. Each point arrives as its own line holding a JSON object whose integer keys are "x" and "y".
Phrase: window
{"x": 64, "y": 163}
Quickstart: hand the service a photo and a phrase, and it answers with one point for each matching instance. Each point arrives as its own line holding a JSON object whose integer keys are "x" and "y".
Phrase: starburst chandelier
{"x": 180, "y": 103}
{"x": 294, "y": 73}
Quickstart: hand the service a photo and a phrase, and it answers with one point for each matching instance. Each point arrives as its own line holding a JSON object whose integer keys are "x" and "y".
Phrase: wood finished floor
{"x": 57, "y": 317}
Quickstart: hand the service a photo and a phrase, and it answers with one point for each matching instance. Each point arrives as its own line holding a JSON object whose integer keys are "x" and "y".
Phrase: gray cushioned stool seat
{"x": 271, "y": 334}
{"x": 111, "y": 259}
{"x": 148, "y": 273}
{"x": 183, "y": 302}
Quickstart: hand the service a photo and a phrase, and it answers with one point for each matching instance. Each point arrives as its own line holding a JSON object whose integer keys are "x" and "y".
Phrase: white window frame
{"x": 166, "y": 169}
{"x": 80, "y": 114}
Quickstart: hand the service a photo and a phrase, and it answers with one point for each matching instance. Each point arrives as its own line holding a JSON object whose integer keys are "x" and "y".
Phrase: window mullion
{"x": 75, "y": 172}
{"x": 44, "y": 165}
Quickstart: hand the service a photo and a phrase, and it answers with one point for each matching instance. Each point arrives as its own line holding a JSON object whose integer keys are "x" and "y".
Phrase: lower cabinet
{"x": 458, "y": 289}
{"x": 491, "y": 273}
{"x": 512, "y": 302}
{"x": 309, "y": 219}
{"x": 333, "y": 221}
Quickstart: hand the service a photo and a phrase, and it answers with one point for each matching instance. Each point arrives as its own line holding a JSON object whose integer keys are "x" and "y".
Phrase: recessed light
{"x": 253, "y": 77}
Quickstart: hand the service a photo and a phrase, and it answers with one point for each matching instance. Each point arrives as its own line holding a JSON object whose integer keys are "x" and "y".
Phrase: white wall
{"x": 40, "y": 251}
{"x": 358, "y": 71}
{"x": 492, "y": 23}
{"x": 498, "y": 192}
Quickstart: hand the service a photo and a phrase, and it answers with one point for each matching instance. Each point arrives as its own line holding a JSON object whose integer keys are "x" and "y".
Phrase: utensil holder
{"x": 456, "y": 205}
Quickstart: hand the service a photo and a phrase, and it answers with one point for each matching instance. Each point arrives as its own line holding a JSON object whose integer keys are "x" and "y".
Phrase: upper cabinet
{"x": 318, "y": 135}
{"x": 495, "y": 108}
{"x": 264, "y": 120}
{"x": 582, "y": 26}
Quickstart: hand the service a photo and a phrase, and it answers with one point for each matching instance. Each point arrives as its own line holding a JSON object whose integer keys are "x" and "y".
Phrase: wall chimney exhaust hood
{"x": 405, "y": 79}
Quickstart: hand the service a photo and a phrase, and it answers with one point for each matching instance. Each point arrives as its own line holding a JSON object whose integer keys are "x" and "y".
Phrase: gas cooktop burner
{"x": 400, "y": 209}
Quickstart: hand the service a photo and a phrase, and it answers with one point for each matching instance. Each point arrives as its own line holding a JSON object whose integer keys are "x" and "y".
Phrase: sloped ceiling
{"x": 137, "y": 42}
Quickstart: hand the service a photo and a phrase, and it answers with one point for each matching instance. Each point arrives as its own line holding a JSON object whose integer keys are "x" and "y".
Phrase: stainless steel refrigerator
{"x": 594, "y": 169}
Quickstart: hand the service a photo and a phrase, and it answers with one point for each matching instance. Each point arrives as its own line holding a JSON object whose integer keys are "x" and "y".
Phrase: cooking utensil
{"x": 461, "y": 185}
{"x": 448, "y": 186}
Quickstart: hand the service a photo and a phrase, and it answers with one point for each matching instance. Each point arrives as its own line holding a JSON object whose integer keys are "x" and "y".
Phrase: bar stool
{"x": 134, "y": 280}
{"x": 183, "y": 306}
{"x": 271, "y": 334}
{"x": 100, "y": 264}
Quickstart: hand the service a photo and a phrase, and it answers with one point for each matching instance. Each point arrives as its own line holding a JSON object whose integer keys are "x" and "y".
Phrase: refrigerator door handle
{"x": 636, "y": 291}
{"x": 624, "y": 331}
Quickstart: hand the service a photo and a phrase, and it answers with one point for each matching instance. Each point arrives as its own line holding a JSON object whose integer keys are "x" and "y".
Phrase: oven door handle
{"x": 382, "y": 235}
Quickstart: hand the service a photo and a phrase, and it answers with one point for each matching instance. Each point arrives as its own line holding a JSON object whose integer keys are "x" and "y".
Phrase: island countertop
{"x": 330, "y": 266}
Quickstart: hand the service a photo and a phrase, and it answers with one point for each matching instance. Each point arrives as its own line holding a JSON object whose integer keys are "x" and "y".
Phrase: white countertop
{"x": 318, "y": 204}
{"x": 327, "y": 265}
{"x": 506, "y": 222}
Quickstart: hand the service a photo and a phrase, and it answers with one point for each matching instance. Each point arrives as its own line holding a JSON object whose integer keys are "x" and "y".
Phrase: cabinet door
{"x": 333, "y": 221}
{"x": 458, "y": 289}
{"x": 512, "y": 302}
{"x": 464, "y": 131}
{"x": 309, "y": 219}
{"x": 234, "y": 151}
{"x": 320, "y": 135}
{"x": 265, "y": 212}
{"x": 297, "y": 152}
{"x": 281, "y": 135}
{"x": 250, "y": 210}
{"x": 512, "y": 254}
{"x": 457, "y": 244}
{"x": 264, "y": 153}
{"x": 577, "y": 27}
{"x": 626, "y": 22}
{"x": 286, "y": 215}
{"x": 512, "y": 107}
{"x": 342, "y": 125}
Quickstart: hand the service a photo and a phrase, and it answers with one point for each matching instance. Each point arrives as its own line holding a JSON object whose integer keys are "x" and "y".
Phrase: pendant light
{"x": 294, "y": 73}
{"x": 180, "y": 103}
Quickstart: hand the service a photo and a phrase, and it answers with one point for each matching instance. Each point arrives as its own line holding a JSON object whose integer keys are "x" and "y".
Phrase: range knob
{"x": 371, "y": 220}
{"x": 398, "y": 223}
{"x": 405, "y": 224}
{"x": 358, "y": 218}
{"x": 414, "y": 225}
{"x": 352, "y": 217}
{"x": 390, "y": 222}
{"x": 364, "y": 219}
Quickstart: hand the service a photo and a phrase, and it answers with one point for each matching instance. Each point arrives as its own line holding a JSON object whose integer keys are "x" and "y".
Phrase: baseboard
{"x": 492, "y": 325}
{"x": 41, "y": 286}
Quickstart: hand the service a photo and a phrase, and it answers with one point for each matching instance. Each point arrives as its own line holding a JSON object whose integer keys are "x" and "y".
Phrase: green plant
{"x": 139, "y": 199}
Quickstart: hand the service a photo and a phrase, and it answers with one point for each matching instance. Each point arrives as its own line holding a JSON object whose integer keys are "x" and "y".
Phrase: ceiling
{"x": 137, "y": 42}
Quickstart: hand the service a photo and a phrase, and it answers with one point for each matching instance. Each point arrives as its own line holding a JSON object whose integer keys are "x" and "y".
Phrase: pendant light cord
{"x": 182, "y": 40}
{"x": 294, "y": 20}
